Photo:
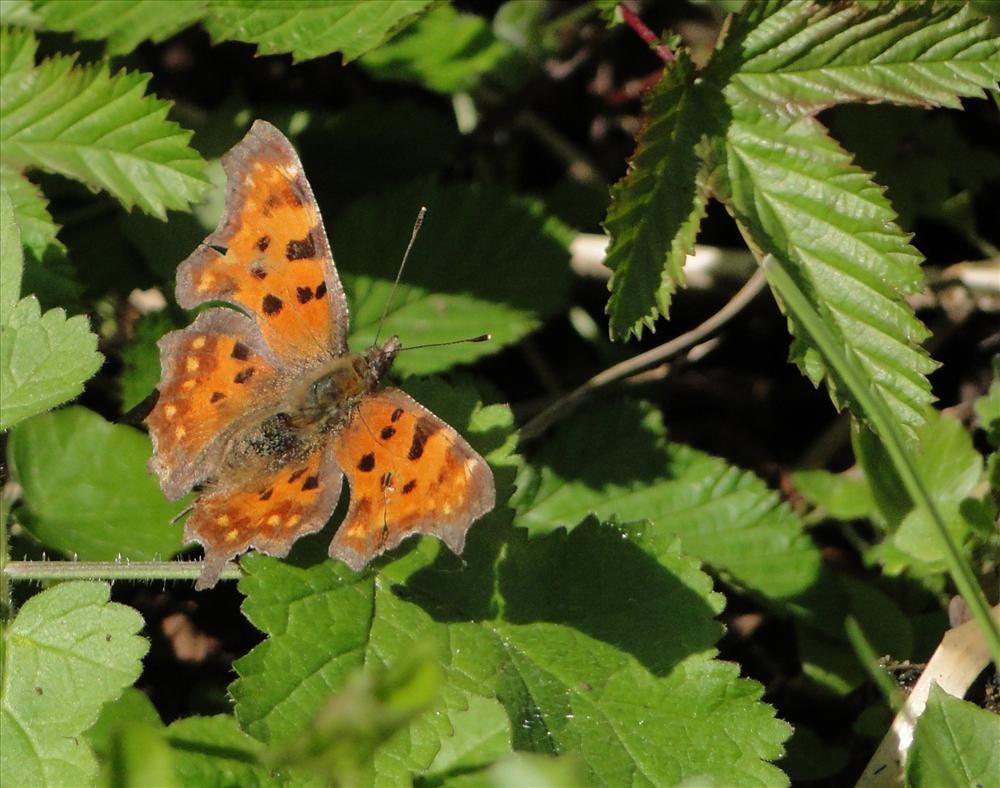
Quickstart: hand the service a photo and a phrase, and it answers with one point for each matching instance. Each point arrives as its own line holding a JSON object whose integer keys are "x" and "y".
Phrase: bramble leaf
{"x": 68, "y": 652}
{"x": 125, "y": 25}
{"x": 311, "y": 28}
{"x": 85, "y": 123}
{"x": 31, "y": 211}
{"x": 616, "y": 462}
{"x": 113, "y": 510}
{"x": 11, "y": 257}
{"x": 657, "y": 207}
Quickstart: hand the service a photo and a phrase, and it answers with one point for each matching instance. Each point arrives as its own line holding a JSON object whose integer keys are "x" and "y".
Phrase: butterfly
{"x": 264, "y": 410}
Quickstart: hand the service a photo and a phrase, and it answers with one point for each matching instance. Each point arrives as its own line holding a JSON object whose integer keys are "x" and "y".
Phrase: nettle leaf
{"x": 44, "y": 359}
{"x": 114, "y": 509}
{"x": 803, "y": 58}
{"x": 311, "y": 28}
{"x": 954, "y": 744}
{"x": 484, "y": 262}
{"x": 657, "y": 207}
{"x": 616, "y": 462}
{"x": 101, "y": 129}
{"x": 444, "y": 50}
{"x": 125, "y": 25}
{"x": 588, "y": 633}
{"x": 214, "y": 751}
{"x": 68, "y": 652}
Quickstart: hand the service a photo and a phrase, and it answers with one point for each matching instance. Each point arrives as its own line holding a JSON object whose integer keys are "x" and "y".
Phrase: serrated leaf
{"x": 17, "y": 51}
{"x": 838, "y": 495}
{"x": 444, "y": 50}
{"x": 451, "y": 288}
{"x": 125, "y": 25}
{"x": 68, "y": 652}
{"x": 44, "y": 360}
{"x": 616, "y": 462}
{"x": 954, "y": 744}
{"x": 141, "y": 358}
{"x": 854, "y": 264}
{"x": 11, "y": 257}
{"x": 85, "y": 123}
{"x": 799, "y": 57}
{"x": 38, "y": 229}
{"x": 311, "y": 28}
{"x": 114, "y": 509}
{"x": 657, "y": 207}
{"x": 591, "y": 636}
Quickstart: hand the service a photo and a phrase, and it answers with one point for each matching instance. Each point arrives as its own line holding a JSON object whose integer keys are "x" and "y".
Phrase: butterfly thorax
{"x": 320, "y": 404}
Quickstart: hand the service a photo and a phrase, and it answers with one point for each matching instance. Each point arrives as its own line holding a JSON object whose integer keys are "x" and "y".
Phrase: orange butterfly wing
{"x": 409, "y": 472}
{"x": 270, "y": 254}
{"x": 266, "y": 512}
{"x": 215, "y": 373}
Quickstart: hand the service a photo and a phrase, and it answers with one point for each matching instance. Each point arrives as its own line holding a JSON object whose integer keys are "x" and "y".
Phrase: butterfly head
{"x": 377, "y": 360}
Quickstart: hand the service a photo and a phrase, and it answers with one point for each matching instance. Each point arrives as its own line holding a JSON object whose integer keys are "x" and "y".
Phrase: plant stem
{"x": 646, "y": 34}
{"x": 885, "y": 427}
{"x": 564, "y": 405}
{"x": 111, "y": 570}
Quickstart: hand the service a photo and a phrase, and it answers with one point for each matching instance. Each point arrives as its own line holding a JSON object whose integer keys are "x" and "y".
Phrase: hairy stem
{"x": 111, "y": 570}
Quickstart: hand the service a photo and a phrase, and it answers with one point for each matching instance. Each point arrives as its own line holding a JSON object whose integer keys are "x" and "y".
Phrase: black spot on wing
{"x": 311, "y": 483}
{"x": 260, "y": 273}
{"x": 240, "y": 352}
{"x": 217, "y": 396}
{"x": 304, "y": 294}
{"x": 395, "y": 415}
{"x": 263, "y": 242}
{"x": 424, "y": 429}
{"x": 320, "y": 290}
{"x": 367, "y": 462}
{"x": 271, "y": 304}
{"x": 388, "y": 432}
{"x": 303, "y": 249}
{"x": 409, "y": 486}
{"x": 266, "y": 494}
{"x": 243, "y": 375}
{"x": 295, "y": 476}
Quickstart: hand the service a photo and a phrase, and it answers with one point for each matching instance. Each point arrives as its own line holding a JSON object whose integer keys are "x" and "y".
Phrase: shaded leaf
{"x": 44, "y": 360}
{"x": 954, "y": 744}
{"x": 617, "y": 462}
{"x": 444, "y": 50}
{"x": 452, "y": 288}
{"x": 68, "y": 652}
{"x": 85, "y": 123}
{"x": 113, "y": 509}
{"x": 311, "y": 28}
{"x": 11, "y": 257}
{"x": 125, "y": 25}
{"x": 213, "y": 751}
{"x": 838, "y": 495}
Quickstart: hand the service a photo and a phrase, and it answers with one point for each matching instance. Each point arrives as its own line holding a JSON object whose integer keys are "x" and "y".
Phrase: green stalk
{"x": 885, "y": 426}
{"x": 111, "y": 570}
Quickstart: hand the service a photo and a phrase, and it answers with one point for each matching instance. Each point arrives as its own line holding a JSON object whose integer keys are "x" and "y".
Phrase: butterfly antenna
{"x": 399, "y": 273}
{"x": 480, "y": 338}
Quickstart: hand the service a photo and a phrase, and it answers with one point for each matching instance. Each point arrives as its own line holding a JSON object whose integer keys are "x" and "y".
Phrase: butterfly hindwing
{"x": 409, "y": 472}
{"x": 215, "y": 374}
{"x": 265, "y": 511}
{"x": 270, "y": 254}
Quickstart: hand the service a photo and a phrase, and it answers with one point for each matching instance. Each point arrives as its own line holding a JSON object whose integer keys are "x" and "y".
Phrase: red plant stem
{"x": 646, "y": 34}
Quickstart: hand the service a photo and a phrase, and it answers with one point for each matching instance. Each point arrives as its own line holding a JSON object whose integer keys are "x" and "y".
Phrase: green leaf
{"x": 115, "y": 509}
{"x": 17, "y": 53}
{"x": 141, "y": 358}
{"x": 988, "y": 408}
{"x": 803, "y": 58}
{"x": 954, "y": 744}
{"x": 125, "y": 25}
{"x": 445, "y": 51}
{"x": 85, "y": 123}
{"x": 213, "y": 751}
{"x": 590, "y": 634}
{"x": 351, "y": 725}
{"x": 854, "y": 265}
{"x": 11, "y": 257}
{"x": 451, "y": 288}
{"x": 617, "y": 462}
{"x": 657, "y": 207}
{"x": 44, "y": 360}
{"x": 523, "y": 769}
{"x": 68, "y": 652}
{"x": 311, "y": 28}
{"x": 38, "y": 229}
{"x": 838, "y": 495}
